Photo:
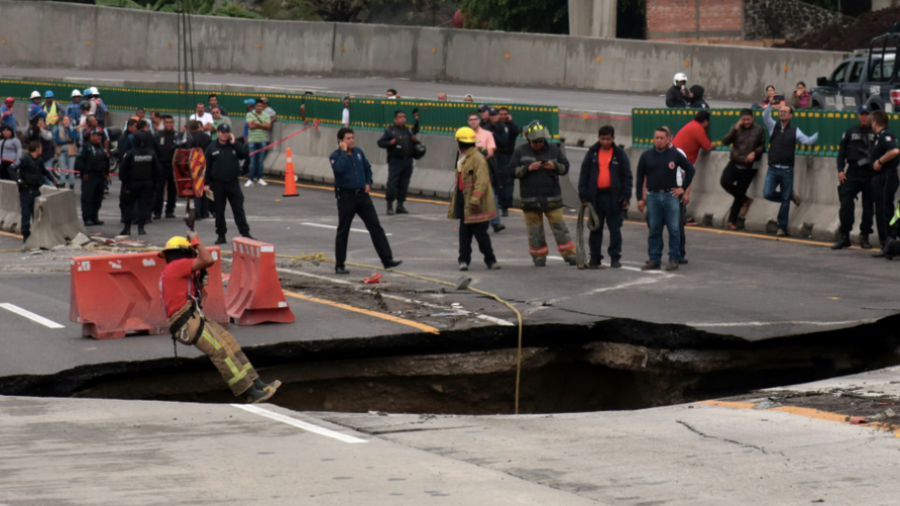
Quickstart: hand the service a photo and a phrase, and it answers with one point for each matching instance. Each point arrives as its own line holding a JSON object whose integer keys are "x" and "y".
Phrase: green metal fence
{"x": 437, "y": 118}
{"x": 830, "y": 125}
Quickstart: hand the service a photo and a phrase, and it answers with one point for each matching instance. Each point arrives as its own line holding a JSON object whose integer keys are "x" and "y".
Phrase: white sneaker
{"x": 248, "y": 184}
{"x": 262, "y": 183}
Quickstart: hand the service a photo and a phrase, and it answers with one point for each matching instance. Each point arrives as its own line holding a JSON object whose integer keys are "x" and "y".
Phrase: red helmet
{"x": 9, "y": 100}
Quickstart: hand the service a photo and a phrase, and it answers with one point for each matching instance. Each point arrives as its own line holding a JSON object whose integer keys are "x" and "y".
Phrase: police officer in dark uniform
{"x": 223, "y": 167}
{"x": 399, "y": 141}
{"x": 139, "y": 172}
{"x": 165, "y": 147}
{"x": 506, "y": 131}
{"x": 886, "y": 181}
{"x": 855, "y": 176}
{"x": 352, "y": 183}
{"x": 30, "y": 176}
{"x": 92, "y": 165}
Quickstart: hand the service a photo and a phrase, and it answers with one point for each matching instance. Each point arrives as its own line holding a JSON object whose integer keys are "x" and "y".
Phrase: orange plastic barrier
{"x": 112, "y": 295}
{"x": 254, "y": 292}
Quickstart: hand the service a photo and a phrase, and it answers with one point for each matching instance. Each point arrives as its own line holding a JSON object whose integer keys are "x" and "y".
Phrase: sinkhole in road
{"x": 591, "y": 377}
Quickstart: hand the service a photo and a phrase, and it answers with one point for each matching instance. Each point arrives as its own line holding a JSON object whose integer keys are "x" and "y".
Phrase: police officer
{"x": 165, "y": 147}
{"x": 30, "y": 177}
{"x": 92, "y": 165}
{"x": 223, "y": 167}
{"x": 885, "y": 182}
{"x": 855, "y": 177}
{"x": 399, "y": 141}
{"x": 352, "y": 183}
{"x": 139, "y": 172}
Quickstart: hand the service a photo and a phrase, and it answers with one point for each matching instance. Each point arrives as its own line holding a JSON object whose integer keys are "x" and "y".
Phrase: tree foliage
{"x": 227, "y": 8}
{"x": 538, "y": 16}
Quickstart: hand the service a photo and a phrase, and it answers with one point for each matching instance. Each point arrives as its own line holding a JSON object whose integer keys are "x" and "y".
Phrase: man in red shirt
{"x": 690, "y": 140}
{"x": 606, "y": 183}
{"x": 181, "y": 284}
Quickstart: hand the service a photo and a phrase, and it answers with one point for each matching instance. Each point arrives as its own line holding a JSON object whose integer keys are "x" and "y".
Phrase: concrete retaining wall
{"x": 90, "y": 37}
{"x": 815, "y": 181}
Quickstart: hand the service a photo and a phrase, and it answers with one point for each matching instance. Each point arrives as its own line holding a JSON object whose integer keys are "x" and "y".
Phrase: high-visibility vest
{"x": 52, "y": 113}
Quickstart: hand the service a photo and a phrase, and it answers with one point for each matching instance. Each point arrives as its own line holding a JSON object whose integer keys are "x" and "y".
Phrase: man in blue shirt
{"x": 662, "y": 198}
{"x": 352, "y": 184}
{"x": 74, "y": 109}
{"x": 783, "y": 137}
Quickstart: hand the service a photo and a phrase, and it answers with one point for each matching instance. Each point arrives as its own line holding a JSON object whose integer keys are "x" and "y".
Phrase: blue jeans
{"x": 663, "y": 209}
{"x": 776, "y": 177}
{"x": 67, "y": 162}
{"x": 256, "y": 161}
{"x": 496, "y": 221}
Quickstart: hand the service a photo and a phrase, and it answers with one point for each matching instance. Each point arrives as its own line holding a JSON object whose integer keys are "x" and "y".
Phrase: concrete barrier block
{"x": 10, "y": 209}
{"x": 431, "y": 54}
{"x": 162, "y": 42}
{"x": 227, "y": 44}
{"x": 506, "y": 58}
{"x": 55, "y": 219}
{"x": 732, "y": 72}
{"x": 79, "y": 24}
{"x": 20, "y": 26}
{"x": 113, "y": 26}
{"x": 291, "y": 47}
{"x": 630, "y": 66}
{"x": 379, "y": 49}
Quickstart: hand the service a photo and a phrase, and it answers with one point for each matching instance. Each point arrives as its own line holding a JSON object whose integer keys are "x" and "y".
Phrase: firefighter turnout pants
{"x": 219, "y": 345}
{"x": 537, "y": 241}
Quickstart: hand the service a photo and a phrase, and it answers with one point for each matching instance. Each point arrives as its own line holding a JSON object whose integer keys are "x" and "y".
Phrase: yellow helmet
{"x": 174, "y": 244}
{"x": 466, "y": 134}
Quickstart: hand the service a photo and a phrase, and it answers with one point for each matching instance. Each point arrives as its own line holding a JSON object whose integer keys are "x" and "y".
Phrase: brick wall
{"x": 677, "y": 19}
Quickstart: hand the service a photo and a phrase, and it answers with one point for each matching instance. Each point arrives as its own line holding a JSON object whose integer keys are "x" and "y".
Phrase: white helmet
{"x": 679, "y": 77}
{"x": 95, "y": 91}
{"x": 76, "y": 93}
{"x": 35, "y": 94}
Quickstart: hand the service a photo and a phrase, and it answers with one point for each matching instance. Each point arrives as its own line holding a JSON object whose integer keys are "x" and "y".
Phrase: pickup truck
{"x": 867, "y": 77}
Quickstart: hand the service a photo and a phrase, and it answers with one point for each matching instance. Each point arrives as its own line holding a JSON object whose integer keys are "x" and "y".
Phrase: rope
{"x": 320, "y": 257}
{"x": 593, "y": 224}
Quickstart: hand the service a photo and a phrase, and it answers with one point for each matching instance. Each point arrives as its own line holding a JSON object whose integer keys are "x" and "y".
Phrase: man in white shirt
{"x": 204, "y": 118}
{"x": 345, "y": 116}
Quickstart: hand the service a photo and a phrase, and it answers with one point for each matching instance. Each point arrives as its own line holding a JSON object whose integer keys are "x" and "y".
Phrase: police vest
{"x": 142, "y": 168}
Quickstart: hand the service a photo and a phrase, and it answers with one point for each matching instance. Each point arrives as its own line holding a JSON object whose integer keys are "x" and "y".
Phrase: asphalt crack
{"x": 724, "y": 440}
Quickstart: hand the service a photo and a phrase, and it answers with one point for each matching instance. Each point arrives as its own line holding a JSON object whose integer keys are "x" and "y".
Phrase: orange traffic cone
{"x": 290, "y": 186}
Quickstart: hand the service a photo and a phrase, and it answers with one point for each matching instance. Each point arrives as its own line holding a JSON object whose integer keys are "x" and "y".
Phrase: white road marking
{"x": 31, "y": 316}
{"x": 315, "y": 429}
{"x": 334, "y": 227}
{"x": 764, "y": 324}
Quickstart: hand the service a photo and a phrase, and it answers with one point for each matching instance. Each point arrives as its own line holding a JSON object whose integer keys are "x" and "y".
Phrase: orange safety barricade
{"x": 254, "y": 292}
{"x": 112, "y": 295}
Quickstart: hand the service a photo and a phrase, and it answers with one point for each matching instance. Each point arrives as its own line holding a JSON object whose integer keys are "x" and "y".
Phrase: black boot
{"x": 141, "y": 230}
{"x": 221, "y": 239}
{"x": 401, "y": 209}
{"x": 126, "y": 230}
{"x": 260, "y": 391}
{"x": 864, "y": 241}
{"x": 390, "y": 209}
{"x": 843, "y": 242}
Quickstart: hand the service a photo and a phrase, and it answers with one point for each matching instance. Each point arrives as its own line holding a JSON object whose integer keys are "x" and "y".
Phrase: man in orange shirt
{"x": 606, "y": 183}
{"x": 690, "y": 140}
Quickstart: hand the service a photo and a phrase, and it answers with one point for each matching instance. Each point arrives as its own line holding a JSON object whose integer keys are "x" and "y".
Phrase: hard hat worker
{"x": 182, "y": 284}
{"x": 473, "y": 201}
{"x": 539, "y": 165}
